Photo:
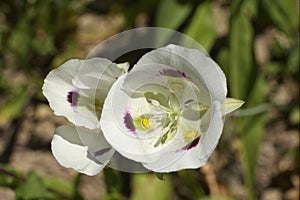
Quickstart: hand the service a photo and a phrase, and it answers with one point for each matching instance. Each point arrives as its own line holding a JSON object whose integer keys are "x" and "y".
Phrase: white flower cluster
{"x": 166, "y": 114}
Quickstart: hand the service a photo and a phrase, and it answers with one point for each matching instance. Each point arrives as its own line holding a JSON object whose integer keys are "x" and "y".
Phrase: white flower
{"x": 167, "y": 113}
{"x": 77, "y": 90}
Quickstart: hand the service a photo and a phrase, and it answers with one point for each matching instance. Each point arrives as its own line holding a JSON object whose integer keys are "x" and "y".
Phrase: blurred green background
{"x": 256, "y": 42}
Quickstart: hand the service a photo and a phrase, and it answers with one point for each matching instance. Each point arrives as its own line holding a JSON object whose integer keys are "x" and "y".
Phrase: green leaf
{"x": 241, "y": 59}
{"x": 249, "y": 8}
{"x": 14, "y": 104}
{"x": 19, "y": 42}
{"x": 190, "y": 183}
{"x": 252, "y": 132}
{"x": 32, "y": 188}
{"x": 7, "y": 181}
{"x": 223, "y": 61}
{"x": 59, "y": 186}
{"x": 47, "y": 187}
{"x": 9, "y": 177}
{"x": 293, "y": 59}
{"x": 245, "y": 82}
{"x": 295, "y": 115}
{"x": 148, "y": 187}
{"x": 251, "y": 129}
{"x": 171, "y": 14}
{"x": 284, "y": 15}
{"x": 113, "y": 181}
{"x": 202, "y": 27}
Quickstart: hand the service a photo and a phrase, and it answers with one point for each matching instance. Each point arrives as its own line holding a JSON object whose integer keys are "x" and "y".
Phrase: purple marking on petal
{"x": 191, "y": 145}
{"x": 102, "y": 151}
{"x": 129, "y": 122}
{"x": 173, "y": 73}
{"x": 72, "y": 98}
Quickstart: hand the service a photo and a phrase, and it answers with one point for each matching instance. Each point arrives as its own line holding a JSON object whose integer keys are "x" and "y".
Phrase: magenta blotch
{"x": 129, "y": 122}
{"x": 173, "y": 73}
{"x": 72, "y": 98}
{"x": 191, "y": 145}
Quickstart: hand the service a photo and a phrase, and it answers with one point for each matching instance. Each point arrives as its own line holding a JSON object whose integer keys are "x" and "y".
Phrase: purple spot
{"x": 191, "y": 145}
{"x": 102, "y": 151}
{"x": 129, "y": 122}
{"x": 173, "y": 73}
{"x": 72, "y": 98}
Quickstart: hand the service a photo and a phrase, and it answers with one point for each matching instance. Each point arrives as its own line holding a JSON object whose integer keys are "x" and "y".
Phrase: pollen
{"x": 145, "y": 122}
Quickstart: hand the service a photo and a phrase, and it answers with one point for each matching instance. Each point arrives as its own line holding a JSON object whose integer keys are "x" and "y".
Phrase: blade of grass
{"x": 148, "y": 187}
{"x": 246, "y": 83}
{"x": 202, "y": 27}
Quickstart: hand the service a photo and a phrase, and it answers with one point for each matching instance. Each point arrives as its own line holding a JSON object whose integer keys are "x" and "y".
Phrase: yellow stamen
{"x": 176, "y": 85}
{"x": 145, "y": 122}
{"x": 191, "y": 134}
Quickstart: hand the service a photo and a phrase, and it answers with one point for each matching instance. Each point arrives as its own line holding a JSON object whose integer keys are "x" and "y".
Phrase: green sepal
{"x": 230, "y": 105}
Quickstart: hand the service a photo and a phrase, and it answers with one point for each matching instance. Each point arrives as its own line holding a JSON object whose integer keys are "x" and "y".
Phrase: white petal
{"x": 202, "y": 70}
{"x": 77, "y": 105}
{"x": 114, "y": 129}
{"x": 119, "y": 134}
{"x": 69, "y": 150}
{"x": 58, "y": 85}
{"x": 98, "y": 72}
{"x": 124, "y": 66}
{"x": 124, "y": 164}
{"x": 163, "y": 79}
{"x": 196, "y": 155}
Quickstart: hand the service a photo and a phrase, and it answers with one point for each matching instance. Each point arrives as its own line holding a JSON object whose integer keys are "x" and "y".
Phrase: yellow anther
{"x": 145, "y": 122}
{"x": 191, "y": 134}
{"x": 176, "y": 85}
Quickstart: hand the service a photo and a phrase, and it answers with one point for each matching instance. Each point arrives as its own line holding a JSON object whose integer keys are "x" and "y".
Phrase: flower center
{"x": 145, "y": 123}
{"x": 166, "y": 110}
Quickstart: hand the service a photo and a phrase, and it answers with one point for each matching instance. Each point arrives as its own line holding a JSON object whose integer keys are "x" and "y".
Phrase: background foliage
{"x": 256, "y": 42}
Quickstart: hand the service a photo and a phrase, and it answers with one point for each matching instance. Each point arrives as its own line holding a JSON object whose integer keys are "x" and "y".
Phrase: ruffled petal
{"x": 58, "y": 89}
{"x": 166, "y": 82}
{"x": 117, "y": 126}
{"x": 121, "y": 132}
{"x": 81, "y": 106}
{"x": 64, "y": 98}
{"x": 197, "y": 66}
{"x": 196, "y": 153}
{"x": 98, "y": 73}
{"x": 78, "y": 149}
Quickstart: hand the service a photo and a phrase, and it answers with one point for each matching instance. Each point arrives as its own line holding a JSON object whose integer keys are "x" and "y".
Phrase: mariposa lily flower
{"x": 77, "y": 90}
{"x": 168, "y": 111}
